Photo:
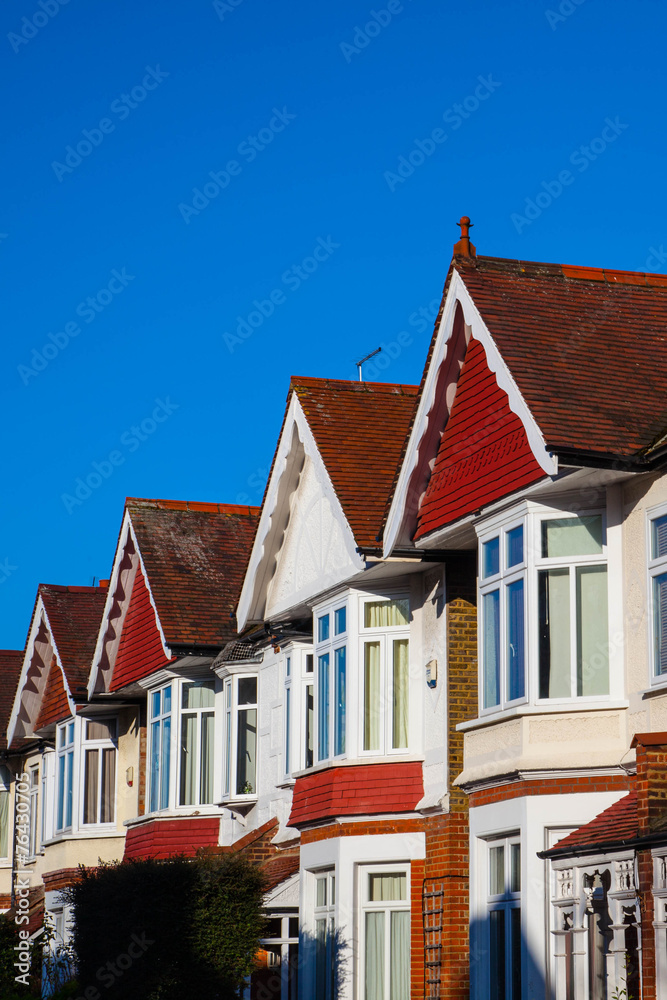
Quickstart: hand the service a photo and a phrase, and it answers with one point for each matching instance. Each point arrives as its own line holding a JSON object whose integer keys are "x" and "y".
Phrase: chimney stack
{"x": 464, "y": 248}
{"x": 651, "y": 781}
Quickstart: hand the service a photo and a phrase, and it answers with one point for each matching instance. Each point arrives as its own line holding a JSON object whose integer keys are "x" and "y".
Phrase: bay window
{"x": 543, "y": 606}
{"x": 385, "y": 904}
{"x": 385, "y": 675}
{"x": 64, "y": 775}
{"x": 240, "y": 765}
{"x": 658, "y": 583}
{"x": 160, "y": 749}
{"x": 331, "y": 654}
{"x": 99, "y": 770}
{"x": 504, "y": 918}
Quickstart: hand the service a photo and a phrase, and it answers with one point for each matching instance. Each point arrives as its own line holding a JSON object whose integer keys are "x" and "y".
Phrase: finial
{"x": 464, "y": 248}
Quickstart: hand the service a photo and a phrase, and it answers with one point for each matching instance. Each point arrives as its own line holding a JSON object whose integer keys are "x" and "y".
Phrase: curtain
{"x": 91, "y": 778}
{"x": 198, "y": 694}
{"x": 321, "y": 959}
{"x": 491, "y": 648}
{"x": 554, "y": 600}
{"x": 374, "y": 956}
{"x": 371, "y": 696}
{"x": 660, "y": 623}
{"x": 206, "y": 761}
{"x": 592, "y": 631}
{"x": 4, "y": 822}
{"x": 497, "y": 871}
{"x": 246, "y": 752}
{"x": 399, "y": 981}
{"x": 188, "y": 759}
{"x": 387, "y": 888}
{"x": 516, "y": 684}
{"x": 401, "y": 679}
{"x": 385, "y": 614}
{"x": 108, "y": 786}
{"x": 572, "y": 536}
{"x": 104, "y": 729}
{"x": 339, "y": 721}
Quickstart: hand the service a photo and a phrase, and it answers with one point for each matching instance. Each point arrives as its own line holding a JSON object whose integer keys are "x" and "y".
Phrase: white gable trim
{"x": 258, "y": 576}
{"x": 39, "y": 618}
{"x": 459, "y": 294}
{"x": 126, "y": 533}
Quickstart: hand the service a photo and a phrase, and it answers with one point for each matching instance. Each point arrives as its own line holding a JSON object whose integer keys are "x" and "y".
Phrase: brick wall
{"x": 543, "y": 786}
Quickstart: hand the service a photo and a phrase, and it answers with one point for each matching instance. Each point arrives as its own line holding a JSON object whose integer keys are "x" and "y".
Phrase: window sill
{"x": 560, "y": 708}
{"x": 84, "y": 835}
{"x": 203, "y": 812}
{"x": 239, "y": 800}
{"x": 660, "y": 687}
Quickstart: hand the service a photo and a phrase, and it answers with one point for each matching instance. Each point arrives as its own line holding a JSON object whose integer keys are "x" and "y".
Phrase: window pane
{"x": 660, "y": 623}
{"x": 323, "y": 707}
{"x": 247, "y": 752}
{"x": 323, "y": 628}
{"x": 340, "y": 695}
{"x": 247, "y": 690}
{"x": 515, "y": 867}
{"x": 497, "y": 871}
{"x": 165, "y": 763}
{"x": 387, "y": 888}
{"x": 497, "y": 957}
{"x": 321, "y": 891}
{"x": 374, "y": 954}
{"x": 371, "y": 696}
{"x": 61, "y": 794}
{"x": 206, "y": 758}
{"x": 198, "y": 694}
{"x": 322, "y": 964}
{"x": 491, "y": 648}
{"x": 515, "y": 641}
{"x": 101, "y": 729}
{"x": 228, "y": 746}
{"x": 310, "y": 725}
{"x": 515, "y": 546}
{"x": 572, "y": 536}
{"x": 592, "y": 631}
{"x": 155, "y": 766}
{"x": 288, "y": 666}
{"x": 90, "y": 779}
{"x": 554, "y": 619}
{"x": 288, "y": 728}
{"x": 401, "y": 677}
{"x": 515, "y": 952}
{"x": 399, "y": 982}
{"x": 309, "y": 663}
{"x": 188, "y": 759}
{"x": 659, "y": 537}
{"x": 107, "y": 801}
{"x": 156, "y": 698}
{"x": 4, "y": 823}
{"x": 340, "y": 621}
{"x": 68, "y": 786}
{"x": 386, "y": 614}
{"x": 166, "y": 700}
{"x": 490, "y": 558}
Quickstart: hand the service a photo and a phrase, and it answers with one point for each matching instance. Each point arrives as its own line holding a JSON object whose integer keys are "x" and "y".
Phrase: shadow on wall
{"x": 502, "y": 966}
{"x": 317, "y": 970}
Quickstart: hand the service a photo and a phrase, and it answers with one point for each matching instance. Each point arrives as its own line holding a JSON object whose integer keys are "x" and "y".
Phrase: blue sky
{"x": 130, "y": 274}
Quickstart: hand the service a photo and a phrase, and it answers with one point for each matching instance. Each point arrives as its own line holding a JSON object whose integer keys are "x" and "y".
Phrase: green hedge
{"x": 164, "y": 930}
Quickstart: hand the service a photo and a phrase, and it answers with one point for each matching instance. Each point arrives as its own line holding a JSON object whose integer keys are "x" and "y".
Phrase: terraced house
{"x": 423, "y": 686}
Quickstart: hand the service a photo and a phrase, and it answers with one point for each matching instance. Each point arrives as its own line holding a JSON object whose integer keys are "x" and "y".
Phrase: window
{"x": 503, "y": 628}
{"x": 331, "y": 683}
{"x": 99, "y": 771}
{"x": 240, "y": 736}
{"x": 33, "y": 804}
{"x": 325, "y": 936}
{"x": 278, "y": 980}
{"x": 385, "y": 902}
{"x": 658, "y": 579}
{"x": 197, "y": 742}
{"x": 5, "y": 795}
{"x": 386, "y": 675}
{"x": 160, "y": 752}
{"x": 504, "y": 918}
{"x": 64, "y": 775}
{"x": 287, "y": 721}
{"x": 573, "y": 608}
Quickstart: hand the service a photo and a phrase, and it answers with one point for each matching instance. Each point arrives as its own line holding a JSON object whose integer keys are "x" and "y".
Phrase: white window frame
{"x": 500, "y": 582}
{"x": 385, "y": 635}
{"x": 100, "y": 745}
{"x": 387, "y": 907}
{"x": 331, "y": 646}
{"x": 231, "y": 736}
{"x": 307, "y": 746}
{"x": 198, "y": 713}
{"x": 655, "y": 567}
{"x": 160, "y": 718}
{"x": 533, "y": 515}
{"x": 65, "y": 752}
{"x": 6, "y": 789}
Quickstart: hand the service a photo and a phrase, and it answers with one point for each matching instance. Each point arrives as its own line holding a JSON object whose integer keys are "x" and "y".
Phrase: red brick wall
{"x": 545, "y": 786}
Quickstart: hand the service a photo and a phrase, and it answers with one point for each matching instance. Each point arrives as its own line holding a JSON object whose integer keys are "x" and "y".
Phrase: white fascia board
{"x": 126, "y": 532}
{"x": 40, "y": 615}
{"x": 459, "y": 294}
{"x": 256, "y": 575}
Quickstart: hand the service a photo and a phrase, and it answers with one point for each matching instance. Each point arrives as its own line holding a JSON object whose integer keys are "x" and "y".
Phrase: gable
{"x": 315, "y": 552}
{"x": 55, "y": 706}
{"x": 140, "y": 650}
{"x": 484, "y": 453}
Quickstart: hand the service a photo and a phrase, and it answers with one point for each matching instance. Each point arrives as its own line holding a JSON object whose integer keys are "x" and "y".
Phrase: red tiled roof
{"x": 587, "y": 348}
{"x": 55, "y": 706}
{"x": 11, "y": 661}
{"x": 617, "y": 823}
{"x": 360, "y": 430}
{"x": 278, "y": 869}
{"x": 362, "y": 790}
{"x": 195, "y": 556}
{"x": 75, "y": 615}
{"x": 166, "y": 838}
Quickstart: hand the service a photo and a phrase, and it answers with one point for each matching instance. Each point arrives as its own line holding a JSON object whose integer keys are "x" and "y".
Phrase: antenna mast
{"x": 364, "y": 360}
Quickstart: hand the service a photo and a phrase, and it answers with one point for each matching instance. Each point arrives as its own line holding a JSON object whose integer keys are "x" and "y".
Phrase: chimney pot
{"x": 464, "y": 247}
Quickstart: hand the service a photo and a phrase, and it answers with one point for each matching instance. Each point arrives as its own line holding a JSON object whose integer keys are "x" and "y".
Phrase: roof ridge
{"x": 354, "y": 384}
{"x": 579, "y": 272}
{"x": 61, "y": 588}
{"x": 194, "y": 506}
